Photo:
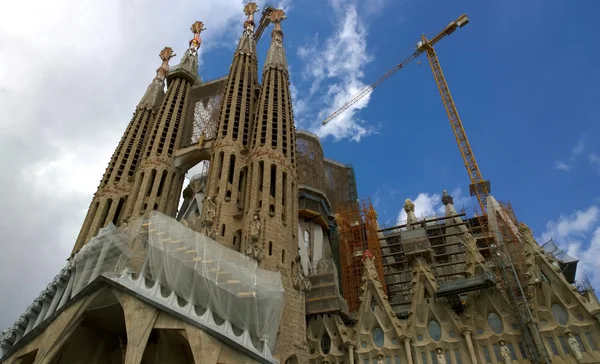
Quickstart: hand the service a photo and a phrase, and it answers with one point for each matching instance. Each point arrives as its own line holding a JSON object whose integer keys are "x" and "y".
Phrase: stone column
{"x": 408, "y": 351}
{"x": 467, "y": 335}
{"x": 351, "y": 353}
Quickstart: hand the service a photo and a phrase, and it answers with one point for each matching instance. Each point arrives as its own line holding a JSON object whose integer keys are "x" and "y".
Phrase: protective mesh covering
{"x": 211, "y": 275}
{"x": 310, "y": 160}
{"x": 196, "y": 268}
{"x": 415, "y": 241}
{"x": 324, "y": 295}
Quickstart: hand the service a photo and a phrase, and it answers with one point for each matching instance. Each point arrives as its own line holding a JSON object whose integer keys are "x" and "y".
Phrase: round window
{"x": 495, "y": 323}
{"x": 378, "y": 337}
{"x": 560, "y": 314}
{"x": 435, "y": 331}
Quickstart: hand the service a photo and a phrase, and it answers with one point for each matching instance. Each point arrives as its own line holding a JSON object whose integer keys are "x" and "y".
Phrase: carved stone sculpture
{"x": 210, "y": 211}
{"x": 505, "y": 352}
{"x": 574, "y": 345}
{"x": 409, "y": 206}
{"x": 300, "y": 282}
{"x": 255, "y": 228}
{"x": 254, "y": 251}
{"x": 446, "y": 198}
{"x": 439, "y": 353}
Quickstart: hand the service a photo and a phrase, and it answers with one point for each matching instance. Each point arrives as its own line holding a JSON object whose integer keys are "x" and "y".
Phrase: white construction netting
{"x": 197, "y": 268}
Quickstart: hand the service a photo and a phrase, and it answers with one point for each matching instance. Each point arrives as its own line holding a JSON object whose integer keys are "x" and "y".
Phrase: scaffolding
{"x": 357, "y": 232}
{"x": 310, "y": 160}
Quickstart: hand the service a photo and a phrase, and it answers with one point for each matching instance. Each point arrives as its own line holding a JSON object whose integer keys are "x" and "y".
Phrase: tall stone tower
{"x": 271, "y": 224}
{"x": 157, "y": 185}
{"x": 225, "y": 205}
{"x": 109, "y": 200}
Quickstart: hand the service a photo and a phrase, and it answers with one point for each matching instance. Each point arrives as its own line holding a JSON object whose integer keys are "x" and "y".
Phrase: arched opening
{"x": 325, "y": 343}
{"x": 292, "y": 360}
{"x": 167, "y": 346}
{"x": 560, "y": 314}
{"x": 378, "y": 337}
{"x": 270, "y": 248}
{"x": 100, "y": 337}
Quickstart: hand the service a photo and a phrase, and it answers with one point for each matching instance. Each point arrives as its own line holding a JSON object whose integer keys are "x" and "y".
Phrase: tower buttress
{"x": 227, "y": 178}
{"x": 271, "y": 226}
{"x": 157, "y": 184}
{"x": 109, "y": 200}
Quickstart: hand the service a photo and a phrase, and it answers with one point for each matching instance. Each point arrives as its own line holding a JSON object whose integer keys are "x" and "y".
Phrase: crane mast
{"x": 478, "y": 187}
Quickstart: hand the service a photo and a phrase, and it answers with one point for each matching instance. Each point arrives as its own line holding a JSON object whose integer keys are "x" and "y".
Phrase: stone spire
{"x": 226, "y": 197}
{"x": 247, "y": 45}
{"x": 411, "y": 218}
{"x": 157, "y": 185}
{"x": 270, "y": 222}
{"x": 108, "y": 203}
{"x": 189, "y": 62}
{"x": 155, "y": 91}
{"x": 276, "y": 53}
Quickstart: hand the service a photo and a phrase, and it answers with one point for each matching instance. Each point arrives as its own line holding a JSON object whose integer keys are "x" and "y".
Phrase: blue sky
{"x": 523, "y": 76}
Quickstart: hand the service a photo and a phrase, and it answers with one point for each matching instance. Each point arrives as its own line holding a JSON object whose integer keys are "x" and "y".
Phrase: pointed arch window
{"x": 495, "y": 323}
{"x": 560, "y": 314}
{"x": 325, "y": 343}
{"x": 435, "y": 330}
{"x": 378, "y": 337}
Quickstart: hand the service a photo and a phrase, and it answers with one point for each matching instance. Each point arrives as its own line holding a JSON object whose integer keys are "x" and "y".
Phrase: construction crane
{"x": 478, "y": 187}
{"x": 263, "y": 23}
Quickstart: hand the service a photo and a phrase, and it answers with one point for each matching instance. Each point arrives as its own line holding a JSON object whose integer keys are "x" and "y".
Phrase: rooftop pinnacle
{"x": 166, "y": 54}
{"x": 249, "y": 10}
{"x": 196, "y": 28}
{"x": 276, "y": 53}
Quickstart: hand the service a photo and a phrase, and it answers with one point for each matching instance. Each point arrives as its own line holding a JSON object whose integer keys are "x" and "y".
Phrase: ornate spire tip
{"x": 250, "y": 8}
{"x": 197, "y": 27}
{"x": 166, "y": 54}
{"x": 277, "y": 16}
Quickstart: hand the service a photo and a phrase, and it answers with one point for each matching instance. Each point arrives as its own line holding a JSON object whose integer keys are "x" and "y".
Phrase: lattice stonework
{"x": 206, "y": 116}
{"x": 357, "y": 226}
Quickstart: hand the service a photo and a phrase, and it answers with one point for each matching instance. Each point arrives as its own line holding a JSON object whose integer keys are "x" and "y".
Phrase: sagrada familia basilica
{"x": 272, "y": 258}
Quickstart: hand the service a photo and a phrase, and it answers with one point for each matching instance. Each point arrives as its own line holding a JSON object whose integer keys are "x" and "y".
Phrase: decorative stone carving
{"x": 505, "y": 352}
{"x": 409, "y": 206}
{"x": 254, "y": 251}
{"x": 446, "y": 198}
{"x": 380, "y": 359}
{"x": 255, "y": 228}
{"x": 210, "y": 211}
{"x": 574, "y": 345}
{"x": 439, "y": 353}
{"x": 301, "y": 283}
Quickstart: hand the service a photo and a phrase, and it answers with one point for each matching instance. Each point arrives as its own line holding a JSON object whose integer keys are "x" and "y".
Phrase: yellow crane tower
{"x": 478, "y": 187}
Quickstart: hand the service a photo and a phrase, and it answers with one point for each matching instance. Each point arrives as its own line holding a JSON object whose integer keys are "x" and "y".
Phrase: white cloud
{"x": 579, "y": 234}
{"x": 562, "y": 166}
{"x": 595, "y": 161}
{"x": 71, "y": 73}
{"x": 576, "y": 151}
{"x": 430, "y": 204}
{"x": 334, "y": 70}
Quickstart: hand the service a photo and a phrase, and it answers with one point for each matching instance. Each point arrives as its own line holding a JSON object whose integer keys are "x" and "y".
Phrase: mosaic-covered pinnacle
{"x": 276, "y": 17}
{"x": 249, "y": 10}
{"x": 165, "y": 55}
{"x": 196, "y": 28}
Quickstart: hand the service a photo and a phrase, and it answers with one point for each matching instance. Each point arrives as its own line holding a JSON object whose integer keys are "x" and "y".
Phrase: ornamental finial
{"x": 165, "y": 55}
{"x": 249, "y": 10}
{"x": 276, "y": 17}
{"x": 196, "y": 28}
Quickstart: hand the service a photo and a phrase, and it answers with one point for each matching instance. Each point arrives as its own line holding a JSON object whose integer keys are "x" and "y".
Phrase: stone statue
{"x": 439, "y": 353}
{"x": 255, "y": 227}
{"x": 409, "y": 206}
{"x": 301, "y": 283}
{"x": 505, "y": 352}
{"x": 446, "y": 198}
{"x": 574, "y": 345}
{"x": 210, "y": 211}
{"x": 254, "y": 251}
{"x": 380, "y": 359}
